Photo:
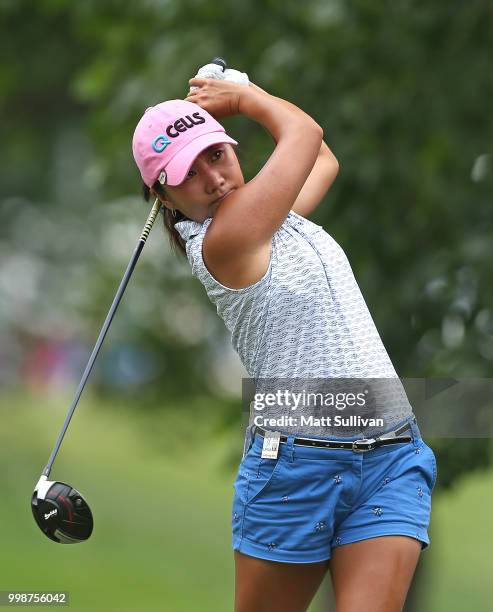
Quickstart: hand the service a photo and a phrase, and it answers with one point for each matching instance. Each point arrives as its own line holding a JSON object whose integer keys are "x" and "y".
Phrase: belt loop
{"x": 290, "y": 448}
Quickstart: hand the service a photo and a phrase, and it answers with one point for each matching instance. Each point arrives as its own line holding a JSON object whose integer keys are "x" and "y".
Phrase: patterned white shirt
{"x": 304, "y": 319}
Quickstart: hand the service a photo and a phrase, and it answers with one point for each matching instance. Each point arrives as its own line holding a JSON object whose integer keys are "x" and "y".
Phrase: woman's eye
{"x": 219, "y": 154}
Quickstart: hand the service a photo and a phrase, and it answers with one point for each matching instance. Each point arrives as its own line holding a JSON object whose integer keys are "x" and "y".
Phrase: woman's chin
{"x": 213, "y": 208}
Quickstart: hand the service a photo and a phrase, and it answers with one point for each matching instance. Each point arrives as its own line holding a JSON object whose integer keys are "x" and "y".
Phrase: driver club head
{"x": 61, "y": 512}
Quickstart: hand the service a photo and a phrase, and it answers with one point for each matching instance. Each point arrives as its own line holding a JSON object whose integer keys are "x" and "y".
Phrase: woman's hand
{"x": 219, "y": 98}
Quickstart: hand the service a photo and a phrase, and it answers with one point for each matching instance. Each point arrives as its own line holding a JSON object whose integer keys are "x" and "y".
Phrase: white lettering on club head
{"x": 47, "y": 516}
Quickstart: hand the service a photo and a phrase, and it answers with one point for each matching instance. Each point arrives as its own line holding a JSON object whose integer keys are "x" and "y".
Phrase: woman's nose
{"x": 214, "y": 179}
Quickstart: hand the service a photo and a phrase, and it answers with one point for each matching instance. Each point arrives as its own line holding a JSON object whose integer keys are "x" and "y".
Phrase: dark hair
{"x": 176, "y": 241}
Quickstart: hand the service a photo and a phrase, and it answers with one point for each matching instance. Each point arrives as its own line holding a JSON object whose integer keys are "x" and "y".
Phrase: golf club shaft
{"x": 104, "y": 329}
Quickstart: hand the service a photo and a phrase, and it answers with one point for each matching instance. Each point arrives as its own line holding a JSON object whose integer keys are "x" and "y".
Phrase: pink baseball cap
{"x": 170, "y": 136}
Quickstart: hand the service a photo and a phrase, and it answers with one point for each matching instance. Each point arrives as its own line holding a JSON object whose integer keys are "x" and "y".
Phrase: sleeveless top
{"x": 305, "y": 326}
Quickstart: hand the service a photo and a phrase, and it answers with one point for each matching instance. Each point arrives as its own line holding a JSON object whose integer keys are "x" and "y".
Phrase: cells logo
{"x": 174, "y": 130}
{"x": 160, "y": 143}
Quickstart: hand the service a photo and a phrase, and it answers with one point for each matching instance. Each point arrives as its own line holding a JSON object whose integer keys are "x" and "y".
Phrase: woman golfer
{"x": 349, "y": 493}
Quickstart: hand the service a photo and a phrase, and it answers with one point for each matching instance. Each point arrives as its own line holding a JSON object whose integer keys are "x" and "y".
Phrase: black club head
{"x": 61, "y": 512}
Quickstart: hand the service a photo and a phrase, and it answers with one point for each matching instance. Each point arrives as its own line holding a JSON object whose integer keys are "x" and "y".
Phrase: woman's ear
{"x": 160, "y": 197}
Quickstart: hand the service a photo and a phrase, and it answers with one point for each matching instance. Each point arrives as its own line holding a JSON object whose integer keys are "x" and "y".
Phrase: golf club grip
{"x": 150, "y": 220}
{"x": 109, "y": 317}
{"x": 220, "y": 61}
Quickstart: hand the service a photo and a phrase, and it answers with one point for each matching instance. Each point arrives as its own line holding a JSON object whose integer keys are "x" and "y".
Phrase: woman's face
{"x": 214, "y": 173}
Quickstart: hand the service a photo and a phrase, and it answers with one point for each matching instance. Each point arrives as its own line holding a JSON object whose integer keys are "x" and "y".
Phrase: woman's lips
{"x": 222, "y": 197}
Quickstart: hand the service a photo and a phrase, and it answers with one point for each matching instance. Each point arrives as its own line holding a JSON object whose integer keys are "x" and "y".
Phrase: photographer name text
{"x": 313, "y": 421}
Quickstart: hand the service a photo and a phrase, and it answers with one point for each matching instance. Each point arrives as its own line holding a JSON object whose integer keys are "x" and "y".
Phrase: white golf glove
{"x": 235, "y": 76}
{"x": 214, "y": 71}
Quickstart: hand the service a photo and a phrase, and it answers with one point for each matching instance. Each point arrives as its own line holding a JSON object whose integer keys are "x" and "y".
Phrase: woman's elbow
{"x": 312, "y": 129}
{"x": 319, "y": 131}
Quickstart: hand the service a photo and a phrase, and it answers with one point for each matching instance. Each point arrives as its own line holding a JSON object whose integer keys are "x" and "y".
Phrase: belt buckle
{"x": 369, "y": 445}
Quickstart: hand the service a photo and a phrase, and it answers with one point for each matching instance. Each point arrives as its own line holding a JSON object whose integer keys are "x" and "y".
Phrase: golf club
{"x": 60, "y": 511}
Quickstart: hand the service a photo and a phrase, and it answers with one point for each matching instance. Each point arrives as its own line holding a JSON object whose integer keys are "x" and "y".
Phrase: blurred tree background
{"x": 401, "y": 89}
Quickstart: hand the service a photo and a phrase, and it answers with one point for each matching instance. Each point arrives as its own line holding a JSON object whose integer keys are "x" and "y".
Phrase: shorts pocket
{"x": 254, "y": 476}
{"x": 435, "y": 469}
{"x": 432, "y": 464}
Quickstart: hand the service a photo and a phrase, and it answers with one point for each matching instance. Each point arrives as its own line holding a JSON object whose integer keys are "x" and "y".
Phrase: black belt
{"x": 358, "y": 446}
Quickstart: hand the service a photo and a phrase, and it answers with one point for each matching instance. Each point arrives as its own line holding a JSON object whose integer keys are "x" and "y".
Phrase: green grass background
{"x": 161, "y": 507}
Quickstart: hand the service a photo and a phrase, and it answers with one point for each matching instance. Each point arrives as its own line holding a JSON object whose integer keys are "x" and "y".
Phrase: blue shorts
{"x": 297, "y": 507}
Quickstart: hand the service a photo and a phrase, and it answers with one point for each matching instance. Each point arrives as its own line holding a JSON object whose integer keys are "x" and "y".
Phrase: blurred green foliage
{"x": 401, "y": 89}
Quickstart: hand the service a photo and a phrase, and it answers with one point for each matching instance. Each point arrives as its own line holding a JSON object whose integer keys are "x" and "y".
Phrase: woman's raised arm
{"x": 249, "y": 217}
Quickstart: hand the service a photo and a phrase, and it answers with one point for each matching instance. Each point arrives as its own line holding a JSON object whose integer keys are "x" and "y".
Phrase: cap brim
{"x": 178, "y": 167}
